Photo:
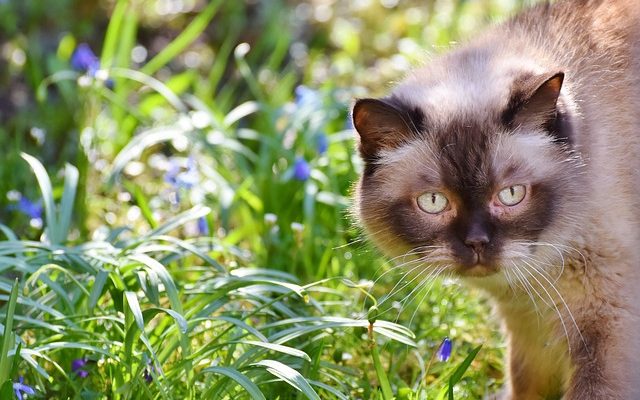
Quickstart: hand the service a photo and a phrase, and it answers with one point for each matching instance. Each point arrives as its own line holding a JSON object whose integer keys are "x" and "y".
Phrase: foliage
{"x": 196, "y": 177}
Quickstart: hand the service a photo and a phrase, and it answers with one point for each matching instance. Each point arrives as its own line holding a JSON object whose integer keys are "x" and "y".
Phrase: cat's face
{"x": 475, "y": 192}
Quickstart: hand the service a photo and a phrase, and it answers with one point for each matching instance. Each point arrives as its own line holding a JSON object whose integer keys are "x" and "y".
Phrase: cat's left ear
{"x": 535, "y": 102}
{"x": 381, "y": 125}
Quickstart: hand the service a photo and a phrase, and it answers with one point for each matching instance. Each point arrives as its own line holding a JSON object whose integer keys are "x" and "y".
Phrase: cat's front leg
{"x": 605, "y": 358}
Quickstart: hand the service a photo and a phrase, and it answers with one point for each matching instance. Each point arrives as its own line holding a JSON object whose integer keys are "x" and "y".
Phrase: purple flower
{"x": 444, "y": 351}
{"x": 146, "y": 374}
{"x": 19, "y": 388}
{"x": 82, "y": 373}
{"x": 323, "y": 143}
{"x": 31, "y": 209}
{"x": 182, "y": 179}
{"x": 84, "y": 59}
{"x": 77, "y": 365}
{"x": 301, "y": 169}
{"x": 203, "y": 227}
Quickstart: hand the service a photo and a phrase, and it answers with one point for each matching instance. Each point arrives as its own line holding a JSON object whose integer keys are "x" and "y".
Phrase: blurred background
{"x": 241, "y": 107}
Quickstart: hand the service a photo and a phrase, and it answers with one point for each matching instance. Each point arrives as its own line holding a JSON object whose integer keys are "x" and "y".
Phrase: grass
{"x": 188, "y": 231}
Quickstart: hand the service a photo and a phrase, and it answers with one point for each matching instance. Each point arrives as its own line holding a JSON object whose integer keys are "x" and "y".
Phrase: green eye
{"x": 512, "y": 195}
{"x": 433, "y": 202}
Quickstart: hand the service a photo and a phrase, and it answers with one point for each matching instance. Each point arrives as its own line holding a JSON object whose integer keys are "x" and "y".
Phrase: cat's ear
{"x": 380, "y": 126}
{"x": 534, "y": 101}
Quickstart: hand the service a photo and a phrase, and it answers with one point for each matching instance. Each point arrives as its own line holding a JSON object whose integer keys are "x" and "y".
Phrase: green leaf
{"x": 242, "y": 380}
{"x": 97, "y": 289}
{"x": 290, "y": 376}
{"x": 8, "y": 336}
{"x": 47, "y": 197}
{"x": 177, "y": 221}
{"x": 6, "y": 390}
{"x": 68, "y": 199}
{"x": 188, "y": 35}
{"x": 461, "y": 369}
{"x": 279, "y": 348}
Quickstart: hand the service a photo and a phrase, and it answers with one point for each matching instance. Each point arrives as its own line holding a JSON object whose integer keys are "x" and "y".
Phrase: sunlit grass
{"x": 198, "y": 244}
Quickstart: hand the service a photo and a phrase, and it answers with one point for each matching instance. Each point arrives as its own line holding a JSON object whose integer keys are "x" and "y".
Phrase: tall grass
{"x": 177, "y": 245}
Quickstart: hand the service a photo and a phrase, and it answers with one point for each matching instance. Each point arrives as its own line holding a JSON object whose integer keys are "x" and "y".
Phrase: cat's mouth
{"x": 476, "y": 264}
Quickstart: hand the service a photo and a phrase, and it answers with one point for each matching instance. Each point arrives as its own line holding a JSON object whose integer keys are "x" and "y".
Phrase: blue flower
{"x": 84, "y": 59}
{"x": 77, "y": 365}
{"x": 180, "y": 179}
{"x": 444, "y": 351}
{"x": 19, "y": 388}
{"x": 301, "y": 169}
{"x": 323, "y": 143}
{"x": 148, "y": 372}
{"x": 306, "y": 97}
{"x": 31, "y": 209}
{"x": 203, "y": 227}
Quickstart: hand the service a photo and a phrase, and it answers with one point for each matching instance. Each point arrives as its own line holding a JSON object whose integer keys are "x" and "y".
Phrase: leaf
{"x": 179, "y": 220}
{"x": 186, "y": 37}
{"x": 240, "y": 112}
{"x": 47, "y": 196}
{"x": 141, "y": 142}
{"x": 459, "y": 372}
{"x": 68, "y": 198}
{"x": 6, "y": 390}
{"x": 8, "y": 336}
{"x": 134, "y": 306}
{"x": 279, "y": 348}
{"x": 8, "y": 232}
{"x": 290, "y": 376}
{"x": 329, "y": 389}
{"x": 242, "y": 380}
{"x": 180, "y": 320}
{"x": 97, "y": 289}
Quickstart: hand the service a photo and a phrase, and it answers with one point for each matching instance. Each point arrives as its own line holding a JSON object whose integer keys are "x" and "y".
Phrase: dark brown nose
{"x": 477, "y": 237}
{"x": 477, "y": 242}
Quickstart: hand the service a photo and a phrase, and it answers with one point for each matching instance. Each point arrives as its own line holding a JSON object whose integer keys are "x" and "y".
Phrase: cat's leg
{"x": 605, "y": 357}
{"x": 532, "y": 376}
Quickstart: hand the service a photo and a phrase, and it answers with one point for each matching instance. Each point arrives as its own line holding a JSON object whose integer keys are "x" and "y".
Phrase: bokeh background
{"x": 217, "y": 133}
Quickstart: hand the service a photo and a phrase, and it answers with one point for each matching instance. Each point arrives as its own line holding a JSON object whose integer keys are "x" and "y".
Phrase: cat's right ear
{"x": 380, "y": 126}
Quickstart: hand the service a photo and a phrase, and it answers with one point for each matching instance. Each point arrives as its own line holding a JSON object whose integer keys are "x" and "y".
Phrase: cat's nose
{"x": 477, "y": 241}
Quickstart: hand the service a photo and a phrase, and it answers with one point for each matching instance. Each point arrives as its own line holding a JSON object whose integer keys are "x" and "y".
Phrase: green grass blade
{"x": 8, "y": 337}
{"x": 112, "y": 36}
{"x": 8, "y": 232}
{"x": 139, "y": 143}
{"x": 96, "y": 291}
{"x": 177, "y": 221}
{"x": 242, "y": 380}
{"x": 290, "y": 376}
{"x": 188, "y": 35}
{"x": 68, "y": 199}
{"x": 46, "y": 191}
{"x": 461, "y": 369}
{"x": 279, "y": 348}
{"x": 339, "y": 395}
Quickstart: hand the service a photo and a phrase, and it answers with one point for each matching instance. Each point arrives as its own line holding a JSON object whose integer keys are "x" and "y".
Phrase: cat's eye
{"x": 512, "y": 195}
{"x": 433, "y": 202}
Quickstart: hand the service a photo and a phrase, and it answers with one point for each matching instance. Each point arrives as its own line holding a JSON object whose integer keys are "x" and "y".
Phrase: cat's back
{"x": 597, "y": 44}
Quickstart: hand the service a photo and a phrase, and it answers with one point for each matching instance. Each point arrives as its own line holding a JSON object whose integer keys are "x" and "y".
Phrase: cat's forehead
{"x": 468, "y": 158}
{"x": 474, "y": 84}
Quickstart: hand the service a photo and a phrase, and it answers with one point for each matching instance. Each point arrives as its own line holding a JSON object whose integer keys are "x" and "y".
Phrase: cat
{"x": 512, "y": 162}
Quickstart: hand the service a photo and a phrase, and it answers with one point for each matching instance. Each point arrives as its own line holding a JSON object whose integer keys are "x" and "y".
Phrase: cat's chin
{"x": 476, "y": 271}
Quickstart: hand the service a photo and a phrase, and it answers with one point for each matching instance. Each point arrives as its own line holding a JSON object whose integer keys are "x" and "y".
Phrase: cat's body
{"x": 513, "y": 162}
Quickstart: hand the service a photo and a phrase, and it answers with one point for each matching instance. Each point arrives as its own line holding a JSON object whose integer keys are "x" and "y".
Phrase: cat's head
{"x": 468, "y": 174}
